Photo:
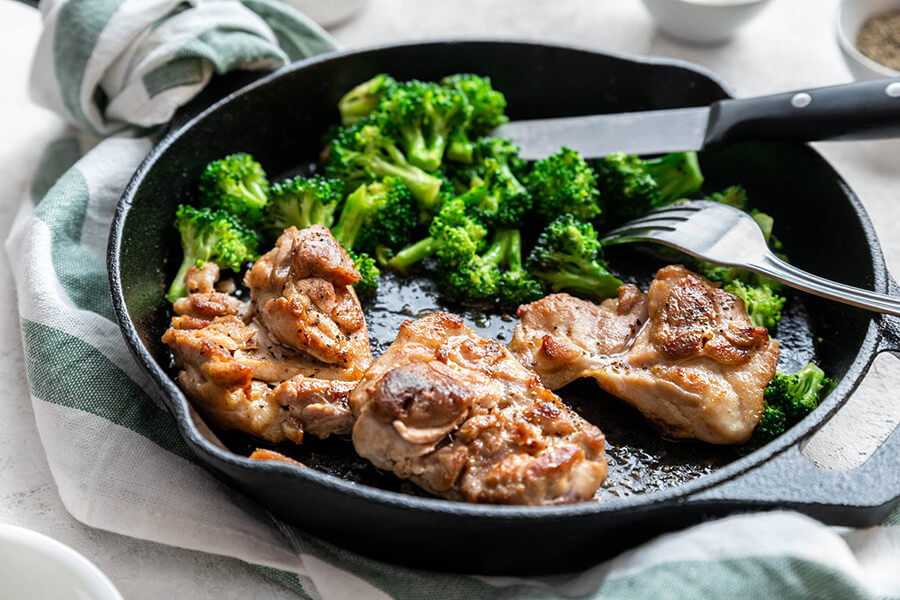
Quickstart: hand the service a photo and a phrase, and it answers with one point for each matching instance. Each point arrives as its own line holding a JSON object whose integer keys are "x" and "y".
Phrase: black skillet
{"x": 655, "y": 485}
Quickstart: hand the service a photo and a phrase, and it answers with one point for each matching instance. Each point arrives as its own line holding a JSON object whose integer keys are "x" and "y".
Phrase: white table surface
{"x": 790, "y": 45}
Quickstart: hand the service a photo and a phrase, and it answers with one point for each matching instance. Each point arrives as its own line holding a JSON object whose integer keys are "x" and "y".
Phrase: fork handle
{"x": 777, "y": 269}
{"x": 862, "y": 110}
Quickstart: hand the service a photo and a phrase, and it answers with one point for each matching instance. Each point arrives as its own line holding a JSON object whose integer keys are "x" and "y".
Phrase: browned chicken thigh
{"x": 284, "y": 364}
{"x": 302, "y": 290}
{"x": 238, "y": 384}
{"x": 697, "y": 369}
{"x": 560, "y": 336}
{"x": 459, "y": 416}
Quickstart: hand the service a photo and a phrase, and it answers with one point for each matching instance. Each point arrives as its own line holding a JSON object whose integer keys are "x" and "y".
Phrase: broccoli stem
{"x": 424, "y": 187}
{"x": 594, "y": 285}
{"x": 497, "y": 253}
{"x": 178, "y": 289}
{"x": 413, "y": 254}
{"x": 461, "y": 148}
{"x": 514, "y": 252}
{"x": 677, "y": 175}
{"x": 352, "y": 218}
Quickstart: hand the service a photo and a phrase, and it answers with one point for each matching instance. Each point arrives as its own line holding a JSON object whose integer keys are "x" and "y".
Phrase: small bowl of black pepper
{"x": 869, "y": 36}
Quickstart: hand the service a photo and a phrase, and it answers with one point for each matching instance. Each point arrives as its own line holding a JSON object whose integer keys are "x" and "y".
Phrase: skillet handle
{"x": 858, "y": 497}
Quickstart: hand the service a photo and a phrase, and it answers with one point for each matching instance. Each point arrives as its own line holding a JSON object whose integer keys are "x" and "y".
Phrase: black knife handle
{"x": 862, "y": 110}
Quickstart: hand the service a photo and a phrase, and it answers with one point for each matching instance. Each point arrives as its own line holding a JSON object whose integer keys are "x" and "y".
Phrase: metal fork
{"x": 728, "y": 236}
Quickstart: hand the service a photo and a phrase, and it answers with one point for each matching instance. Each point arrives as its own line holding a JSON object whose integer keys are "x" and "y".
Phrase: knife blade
{"x": 595, "y": 136}
{"x": 861, "y": 110}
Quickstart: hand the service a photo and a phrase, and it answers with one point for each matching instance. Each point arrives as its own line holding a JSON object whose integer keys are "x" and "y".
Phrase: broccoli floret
{"x": 627, "y": 190}
{"x": 568, "y": 256}
{"x": 364, "y": 98}
{"x": 474, "y": 277}
{"x": 500, "y": 199}
{"x": 735, "y": 196}
{"x": 366, "y": 266}
{"x": 422, "y": 116}
{"x": 564, "y": 183}
{"x": 236, "y": 184}
{"x": 210, "y": 235}
{"x": 516, "y": 285}
{"x": 300, "y": 202}
{"x": 787, "y": 399}
{"x": 799, "y": 393}
{"x": 677, "y": 175}
{"x": 772, "y": 424}
{"x": 453, "y": 233}
{"x": 380, "y": 214}
{"x": 631, "y": 187}
{"x": 486, "y": 110}
{"x": 763, "y": 305}
{"x": 503, "y": 152}
{"x": 363, "y": 153}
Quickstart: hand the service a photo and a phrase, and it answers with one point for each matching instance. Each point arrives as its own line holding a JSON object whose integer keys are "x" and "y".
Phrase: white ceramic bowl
{"x": 37, "y": 567}
{"x": 703, "y": 21}
{"x": 851, "y": 15}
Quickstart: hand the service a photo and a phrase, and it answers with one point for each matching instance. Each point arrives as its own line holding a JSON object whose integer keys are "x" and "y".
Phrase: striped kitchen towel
{"x": 118, "y": 69}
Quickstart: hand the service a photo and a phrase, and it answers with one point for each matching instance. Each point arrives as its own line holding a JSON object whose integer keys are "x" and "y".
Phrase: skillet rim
{"x": 178, "y": 405}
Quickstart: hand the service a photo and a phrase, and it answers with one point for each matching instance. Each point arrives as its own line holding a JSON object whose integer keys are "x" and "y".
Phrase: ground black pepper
{"x": 879, "y": 39}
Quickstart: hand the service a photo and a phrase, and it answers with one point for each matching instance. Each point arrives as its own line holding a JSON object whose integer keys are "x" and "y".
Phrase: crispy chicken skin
{"x": 559, "y": 335}
{"x": 302, "y": 291}
{"x": 697, "y": 369}
{"x": 459, "y": 416}
{"x": 238, "y": 385}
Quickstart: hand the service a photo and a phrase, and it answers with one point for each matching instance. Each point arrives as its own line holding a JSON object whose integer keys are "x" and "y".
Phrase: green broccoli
{"x": 500, "y": 199}
{"x": 677, "y": 175}
{"x": 453, "y": 233}
{"x": 366, "y": 266}
{"x": 364, "y": 98}
{"x": 300, "y": 202}
{"x": 210, "y": 235}
{"x": 631, "y": 187}
{"x": 380, "y": 214}
{"x": 735, "y": 196}
{"x": 787, "y": 399}
{"x": 568, "y": 256}
{"x": 486, "y": 110}
{"x": 516, "y": 285}
{"x": 763, "y": 305}
{"x": 474, "y": 277}
{"x": 236, "y": 184}
{"x": 564, "y": 183}
{"x": 504, "y": 153}
{"x": 422, "y": 117}
{"x": 363, "y": 153}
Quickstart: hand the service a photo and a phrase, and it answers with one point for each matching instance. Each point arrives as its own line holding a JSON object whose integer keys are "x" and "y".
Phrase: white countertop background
{"x": 791, "y": 45}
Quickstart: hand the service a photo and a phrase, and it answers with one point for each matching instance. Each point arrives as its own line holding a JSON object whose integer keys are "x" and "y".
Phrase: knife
{"x": 862, "y": 110}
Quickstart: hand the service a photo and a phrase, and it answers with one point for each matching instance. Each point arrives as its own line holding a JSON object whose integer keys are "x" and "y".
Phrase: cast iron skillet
{"x": 657, "y": 485}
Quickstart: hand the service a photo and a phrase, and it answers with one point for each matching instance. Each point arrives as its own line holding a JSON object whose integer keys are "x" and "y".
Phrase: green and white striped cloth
{"x": 117, "y": 68}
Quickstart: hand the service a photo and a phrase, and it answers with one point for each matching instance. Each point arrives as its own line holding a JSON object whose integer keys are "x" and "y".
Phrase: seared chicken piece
{"x": 229, "y": 369}
{"x": 302, "y": 291}
{"x": 203, "y": 301}
{"x": 459, "y": 416}
{"x": 697, "y": 369}
{"x": 560, "y": 336}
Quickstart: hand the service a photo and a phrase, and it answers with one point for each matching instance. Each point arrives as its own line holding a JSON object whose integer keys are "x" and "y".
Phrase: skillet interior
{"x": 282, "y": 123}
